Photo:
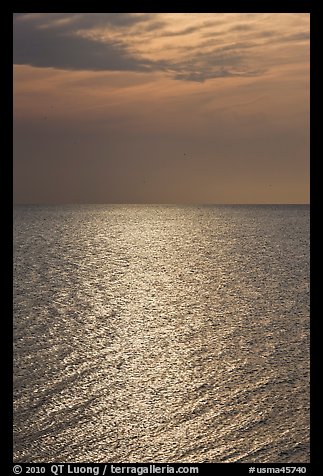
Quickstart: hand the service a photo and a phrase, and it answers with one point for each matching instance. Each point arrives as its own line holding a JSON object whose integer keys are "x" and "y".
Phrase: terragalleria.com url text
{"x": 138, "y": 470}
{"x": 61, "y": 469}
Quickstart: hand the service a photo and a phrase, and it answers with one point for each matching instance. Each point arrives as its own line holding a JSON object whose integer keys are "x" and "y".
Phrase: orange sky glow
{"x": 161, "y": 108}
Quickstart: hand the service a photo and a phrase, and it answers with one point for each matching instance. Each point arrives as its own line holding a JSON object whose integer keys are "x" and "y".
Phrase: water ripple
{"x": 161, "y": 333}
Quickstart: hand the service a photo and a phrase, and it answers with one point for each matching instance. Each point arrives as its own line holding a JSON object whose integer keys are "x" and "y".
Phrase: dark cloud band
{"x": 60, "y": 40}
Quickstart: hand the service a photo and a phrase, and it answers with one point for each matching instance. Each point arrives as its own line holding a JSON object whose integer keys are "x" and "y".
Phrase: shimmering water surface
{"x": 161, "y": 333}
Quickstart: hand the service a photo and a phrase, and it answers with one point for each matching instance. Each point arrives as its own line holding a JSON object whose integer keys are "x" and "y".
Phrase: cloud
{"x": 185, "y": 31}
{"x": 202, "y": 26}
{"x": 153, "y": 25}
{"x": 83, "y": 21}
{"x": 218, "y": 63}
{"x": 301, "y": 36}
{"x": 242, "y": 27}
{"x": 58, "y": 46}
{"x": 239, "y": 46}
{"x": 201, "y": 76}
{"x": 54, "y": 40}
{"x": 130, "y": 41}
{"x": 266, "y": 33}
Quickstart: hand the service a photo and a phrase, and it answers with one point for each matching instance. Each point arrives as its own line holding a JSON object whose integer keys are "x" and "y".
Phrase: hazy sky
{"x": 161, "y": 108}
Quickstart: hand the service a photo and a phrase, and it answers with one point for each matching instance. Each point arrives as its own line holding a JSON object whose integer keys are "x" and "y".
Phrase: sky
{"x": 161, "y": 108}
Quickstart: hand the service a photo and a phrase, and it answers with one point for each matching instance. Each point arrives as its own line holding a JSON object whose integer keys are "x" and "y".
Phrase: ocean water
{"x": 161, "y": 333}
